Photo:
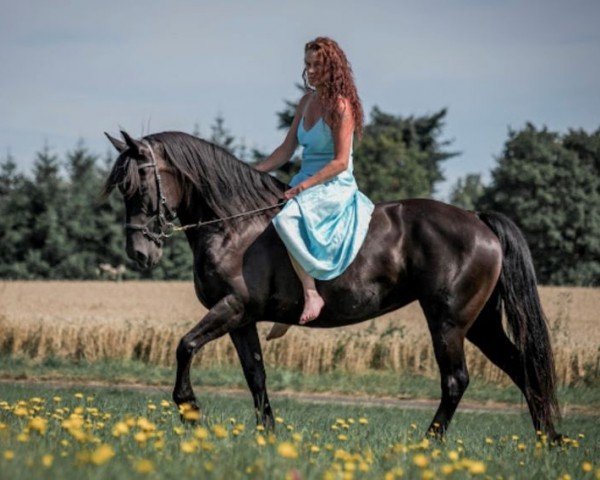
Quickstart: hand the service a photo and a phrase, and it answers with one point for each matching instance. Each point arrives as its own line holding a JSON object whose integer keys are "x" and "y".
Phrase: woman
{"x": 326, "y": 218}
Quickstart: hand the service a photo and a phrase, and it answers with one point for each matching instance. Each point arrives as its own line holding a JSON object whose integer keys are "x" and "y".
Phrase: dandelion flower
{"x": 201, "y": 433}
{"x": 420, "y": 460}
{"x": 260, "y": 441}
{"x": 363, "y": 421}
{"x": 188, "y": 446}
{"x": 102, "y": 454}
{"x": 9, "y": 455}
{"x": 476, "y": 468}
{"x": 287, "y": 450}
{"x": 144, "y": 466}
{"x": 220, "y": 431}
{"x": 47, "y": 460}
{"x": 38, "y": 424}
{"x": 586, "y": 466}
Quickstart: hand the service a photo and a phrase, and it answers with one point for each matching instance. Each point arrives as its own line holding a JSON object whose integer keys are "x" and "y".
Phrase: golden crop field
{"x": 145, "y": 320}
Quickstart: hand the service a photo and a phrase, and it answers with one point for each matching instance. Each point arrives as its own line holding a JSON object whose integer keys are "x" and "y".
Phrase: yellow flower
{"x": 57, "y": 399}
{"x": 586, "y": 466}
{"x": 279, "y": 419}
{"x": 521, "y": 447}
{"x": 145, "y": 424}
{"x": 363, "y": 421}
{"x": 428, "y": 475}
{"x": 220, "y": 431}
{"x": 140, "y": 437}
{"x": 188, "y": 446}
{"x": 47, "y": 460}
{"x": 102, "y": 454}
{"x": 420, "y": 460}
{"x": 201, "y": 433}
{"x": 489, "y": 441}
{"x": 191, "y": 415}
{"x": 476, "y": 468}
{"x": 447, "y": 469}
{"x": 38, "y": 424}
{"x": 9, "y": 454}
{"x": 144, "y": 466}
{"x": 260, "y": 440}
{"x": 120, "y": 428}
{"x": 20, "y": 411}
{"x": 453, "y": 455}
{"x": 315, "y": 449}
{"x": 287, "y": 450}
{"x": 342, "y": 437}
{"x": 78, "y": 395}
{"x": 165, "y": 404}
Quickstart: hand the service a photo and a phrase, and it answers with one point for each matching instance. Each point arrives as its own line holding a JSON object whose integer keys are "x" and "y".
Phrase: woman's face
{"x": 314, "y": 68}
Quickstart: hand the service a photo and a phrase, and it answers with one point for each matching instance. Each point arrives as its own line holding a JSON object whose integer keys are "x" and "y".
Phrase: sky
{"x": 70, "y": 70}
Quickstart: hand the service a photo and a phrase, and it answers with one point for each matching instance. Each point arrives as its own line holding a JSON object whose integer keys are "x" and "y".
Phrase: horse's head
{"x": 151, "y": 190}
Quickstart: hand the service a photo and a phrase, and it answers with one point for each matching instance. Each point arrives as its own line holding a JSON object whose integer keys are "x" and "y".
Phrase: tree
{"x": 467, "y": 191}
{"x": 550, "y": 186}
{"x": 14, "y": 220}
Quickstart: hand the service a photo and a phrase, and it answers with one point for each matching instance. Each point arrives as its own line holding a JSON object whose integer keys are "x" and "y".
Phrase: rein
{"x": 165, "y": 215}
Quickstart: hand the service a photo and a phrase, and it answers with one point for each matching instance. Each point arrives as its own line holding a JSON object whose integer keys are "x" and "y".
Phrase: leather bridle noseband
{"x": 163, "y": 212}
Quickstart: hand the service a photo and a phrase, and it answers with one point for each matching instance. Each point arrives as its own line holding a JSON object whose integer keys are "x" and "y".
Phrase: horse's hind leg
{"x": 247, "y": 344}
{"x": 448, "y": 345}
{"x": 489, "y": 336}
{"x": 225, "y": 316}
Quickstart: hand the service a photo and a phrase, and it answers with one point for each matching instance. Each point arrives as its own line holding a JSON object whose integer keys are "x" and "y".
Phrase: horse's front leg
{"x": 247, "y": 344}
{"x": 225, "y": 316}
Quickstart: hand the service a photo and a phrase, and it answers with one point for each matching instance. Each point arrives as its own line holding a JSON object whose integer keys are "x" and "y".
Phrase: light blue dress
{"x": 324, "y": 226}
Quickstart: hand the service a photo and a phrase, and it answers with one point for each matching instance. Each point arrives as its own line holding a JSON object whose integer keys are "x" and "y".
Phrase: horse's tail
{"x": 526, "y": 320}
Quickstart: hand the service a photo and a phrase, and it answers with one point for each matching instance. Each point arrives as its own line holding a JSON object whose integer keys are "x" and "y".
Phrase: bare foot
{"x": 313, "y": 303}
{"x": 278, "y": 330}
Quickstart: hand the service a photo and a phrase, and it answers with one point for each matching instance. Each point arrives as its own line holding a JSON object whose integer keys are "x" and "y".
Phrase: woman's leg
{"x": 313, "y": 302}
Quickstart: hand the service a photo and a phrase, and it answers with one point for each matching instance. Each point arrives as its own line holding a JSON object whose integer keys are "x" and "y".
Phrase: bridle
{"x": 165, "y": 216}
{"x": 163, "y": 213}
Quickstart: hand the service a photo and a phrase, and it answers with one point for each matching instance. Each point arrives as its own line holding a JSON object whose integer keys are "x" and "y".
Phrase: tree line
{"x": 53, "y": 224}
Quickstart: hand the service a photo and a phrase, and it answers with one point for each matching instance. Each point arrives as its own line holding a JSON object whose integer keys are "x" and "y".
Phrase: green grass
{"x": 378, "y": 383}
{"x": 505, "y": 444}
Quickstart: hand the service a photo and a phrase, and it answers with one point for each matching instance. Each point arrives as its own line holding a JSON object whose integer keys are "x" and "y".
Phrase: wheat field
{"x": 145, "y": 320}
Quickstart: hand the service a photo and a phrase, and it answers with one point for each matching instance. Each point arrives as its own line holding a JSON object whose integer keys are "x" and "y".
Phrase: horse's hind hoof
{"x": 189, "y": 412}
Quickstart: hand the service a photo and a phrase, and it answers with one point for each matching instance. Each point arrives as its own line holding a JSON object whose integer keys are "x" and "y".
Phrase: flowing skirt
{"x": 324, "y": 227}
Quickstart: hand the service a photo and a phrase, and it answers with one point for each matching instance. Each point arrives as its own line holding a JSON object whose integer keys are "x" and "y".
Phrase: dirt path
{"x": 309, "y": 397}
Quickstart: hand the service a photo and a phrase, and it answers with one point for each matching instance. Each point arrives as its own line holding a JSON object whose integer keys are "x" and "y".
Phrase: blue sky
{"x": 72, "y": 70}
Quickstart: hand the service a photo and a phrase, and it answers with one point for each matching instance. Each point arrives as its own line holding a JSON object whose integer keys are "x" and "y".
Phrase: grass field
{"x": 143, "y": 321}
{"x": 107, "y": 433}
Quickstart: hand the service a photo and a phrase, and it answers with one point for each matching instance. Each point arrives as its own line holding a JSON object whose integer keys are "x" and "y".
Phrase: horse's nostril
{"x": 141, "y": 258}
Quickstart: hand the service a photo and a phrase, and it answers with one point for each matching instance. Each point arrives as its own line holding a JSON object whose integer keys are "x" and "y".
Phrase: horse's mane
{"x": 228, "y": 185}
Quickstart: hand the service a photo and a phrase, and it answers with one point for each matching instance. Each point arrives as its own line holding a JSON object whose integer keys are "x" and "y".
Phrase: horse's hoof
{"x": 559, "y": 439}
{"x": 189, "y": 412}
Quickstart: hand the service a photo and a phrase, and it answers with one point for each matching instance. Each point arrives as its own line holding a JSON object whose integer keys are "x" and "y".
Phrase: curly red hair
{"x": 339, "y": 81}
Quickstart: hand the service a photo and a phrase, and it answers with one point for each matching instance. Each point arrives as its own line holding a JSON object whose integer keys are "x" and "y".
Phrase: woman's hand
{"x": 292, "y": 192}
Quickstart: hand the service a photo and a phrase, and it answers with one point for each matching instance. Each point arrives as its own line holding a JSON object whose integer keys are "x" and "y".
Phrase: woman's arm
{"x": 342, "y": 140}
{"x": 284, "y": 152}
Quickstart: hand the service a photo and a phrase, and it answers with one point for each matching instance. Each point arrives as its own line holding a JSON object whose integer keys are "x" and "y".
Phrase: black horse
{"x": 463, "y": 267}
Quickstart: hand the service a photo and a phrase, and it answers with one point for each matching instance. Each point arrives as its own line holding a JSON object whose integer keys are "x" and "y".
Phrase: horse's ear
{"x": 118, "y": 144}
{"x": 135, "y": 145}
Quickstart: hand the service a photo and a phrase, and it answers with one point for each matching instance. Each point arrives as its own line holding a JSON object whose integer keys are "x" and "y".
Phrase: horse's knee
{"x": 185, "y": 349}
{"x": 455, "y": 385}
